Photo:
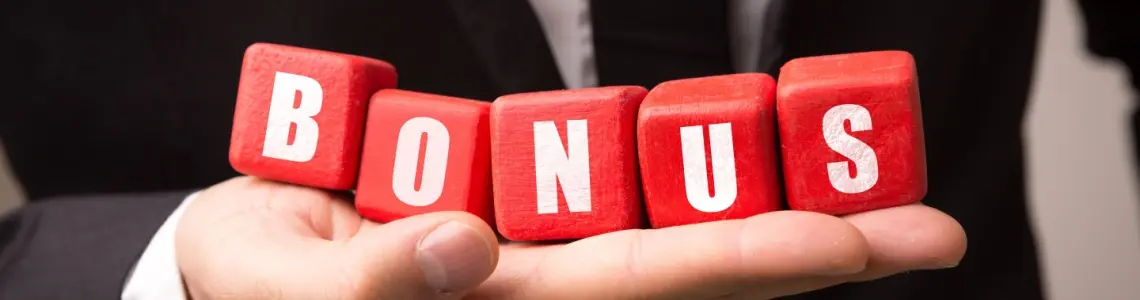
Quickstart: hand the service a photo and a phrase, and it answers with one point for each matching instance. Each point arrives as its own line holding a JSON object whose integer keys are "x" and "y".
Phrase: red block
{"x": 851, "y": 129}
{"x": 564, "y": 163}
{"x": 424, "y": 153}
{"x": 300, "y": 113}
{"x": 708, "y": 149}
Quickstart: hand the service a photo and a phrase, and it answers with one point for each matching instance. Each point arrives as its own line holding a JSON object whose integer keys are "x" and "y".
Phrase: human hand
{"x": 253, "y": 239}
{"x": 248, "y": 238}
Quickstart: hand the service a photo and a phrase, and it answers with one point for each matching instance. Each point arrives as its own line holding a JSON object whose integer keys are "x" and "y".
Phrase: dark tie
{"x": 645, "y": 42}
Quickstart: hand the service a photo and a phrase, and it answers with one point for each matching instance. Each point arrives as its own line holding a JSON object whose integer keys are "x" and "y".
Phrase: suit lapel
{"x": 772, "y": 39}
{"x": 507, "y": 37}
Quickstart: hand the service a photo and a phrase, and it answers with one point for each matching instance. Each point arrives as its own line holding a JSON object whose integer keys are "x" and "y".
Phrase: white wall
{"x": 10, "y": 194}
{"x": 1082, "y": 186}
{"x": 1084, "y": 201}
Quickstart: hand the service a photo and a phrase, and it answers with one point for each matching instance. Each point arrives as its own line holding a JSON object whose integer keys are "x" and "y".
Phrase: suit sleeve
{"x": 78, "y": 247}
{"x": 1112, "y": 31}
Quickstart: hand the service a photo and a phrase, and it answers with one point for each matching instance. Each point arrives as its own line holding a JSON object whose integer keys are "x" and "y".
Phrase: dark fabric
{"x": 772, "y": 37}
{"x": 78, "y": 247}
{"x": 123, "y": 96}
{"x": 510, "y": 43}
{"x": 646, "y": 42}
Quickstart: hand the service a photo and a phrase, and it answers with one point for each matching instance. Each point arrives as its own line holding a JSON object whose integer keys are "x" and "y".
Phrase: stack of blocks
{"x": 571, "y": 164}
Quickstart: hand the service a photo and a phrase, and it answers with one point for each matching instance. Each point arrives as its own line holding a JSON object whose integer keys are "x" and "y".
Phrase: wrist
{"x": 156, "y": 274}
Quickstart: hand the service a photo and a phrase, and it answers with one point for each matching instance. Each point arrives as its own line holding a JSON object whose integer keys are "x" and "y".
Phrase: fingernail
{"x": 454, "y": 257}
{"x": 942, "y": 265}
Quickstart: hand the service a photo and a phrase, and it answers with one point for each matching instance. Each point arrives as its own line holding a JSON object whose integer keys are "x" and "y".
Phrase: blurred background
{"x": 1083, "y": 188}
{"x": 1083, "y": 193}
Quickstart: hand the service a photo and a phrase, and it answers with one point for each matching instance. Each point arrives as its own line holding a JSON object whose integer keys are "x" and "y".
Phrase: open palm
{"x": 248, "y": 238}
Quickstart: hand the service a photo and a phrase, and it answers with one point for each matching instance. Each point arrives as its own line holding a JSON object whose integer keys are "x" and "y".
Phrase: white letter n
{"x": 282, "y": 115}
{"x": 570, "y": 167}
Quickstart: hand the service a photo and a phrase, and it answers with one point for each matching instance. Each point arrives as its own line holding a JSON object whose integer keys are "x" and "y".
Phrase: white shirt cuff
{"x": 156, "y": 275}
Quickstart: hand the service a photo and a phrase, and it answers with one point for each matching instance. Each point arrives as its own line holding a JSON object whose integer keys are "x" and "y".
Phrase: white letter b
{"x": 282, "y": 115}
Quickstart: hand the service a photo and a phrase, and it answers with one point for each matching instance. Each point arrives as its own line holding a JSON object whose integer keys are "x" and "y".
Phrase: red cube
{"x": 424, "y": 153}
{"x": 300, "y": 113}
{"x": 564, "y": 163}
{"x": 851, "y": 130}
{"x": 708, "y": 149}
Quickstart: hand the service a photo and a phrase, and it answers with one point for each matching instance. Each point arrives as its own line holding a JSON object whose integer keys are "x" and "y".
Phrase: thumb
{"x": 432, "y": 256}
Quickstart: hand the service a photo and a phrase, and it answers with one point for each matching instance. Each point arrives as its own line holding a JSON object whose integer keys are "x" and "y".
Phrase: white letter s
{"x": 866, "y": 164}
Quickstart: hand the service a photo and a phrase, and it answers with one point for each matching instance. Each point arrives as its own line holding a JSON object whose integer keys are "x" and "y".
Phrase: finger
{"x": 686, "y": 262}
{"x": 432, "y": 256}
{"x": 913, "y": 237}
{"x": 901, "y": 239}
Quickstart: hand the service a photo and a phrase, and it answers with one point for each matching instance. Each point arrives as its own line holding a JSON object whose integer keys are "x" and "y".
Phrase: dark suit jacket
{"x": 133, "y": 96}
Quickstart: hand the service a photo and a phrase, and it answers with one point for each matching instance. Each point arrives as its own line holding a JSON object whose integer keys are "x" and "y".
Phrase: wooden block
{"x": 300, "y": 113}
{"x": 851, "y": 130}
{"x": 424, "y": 153}
{"x": 564, "y": 163}
{"x": 708, "y": 149}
